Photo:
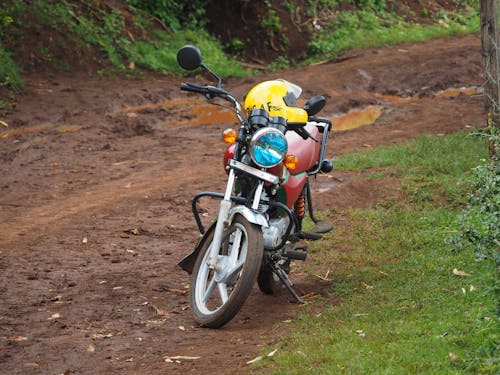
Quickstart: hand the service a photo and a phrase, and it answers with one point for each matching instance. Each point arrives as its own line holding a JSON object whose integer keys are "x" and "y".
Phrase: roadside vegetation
{"x": 133, "y": 35}
{"x": 413, "y": 282}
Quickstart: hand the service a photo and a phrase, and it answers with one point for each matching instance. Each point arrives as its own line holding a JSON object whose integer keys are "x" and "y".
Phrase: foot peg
{"x": 311, "y": 236}
{"x": 322, "y": 227}
{"x": 297, "y": 254}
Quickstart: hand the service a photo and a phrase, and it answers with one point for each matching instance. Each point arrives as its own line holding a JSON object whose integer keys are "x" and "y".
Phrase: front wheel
{"x": 218, "y": 293}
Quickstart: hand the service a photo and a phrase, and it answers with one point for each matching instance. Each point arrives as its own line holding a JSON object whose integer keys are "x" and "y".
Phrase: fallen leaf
{"x": 272, "y": 353}
{"x": 90, "y": 348}
{"x": 18, "y": 338}
{"x": 256, "y": 359}
{"x": 460, "y": 273}
{"x": 367, "y": 286}
{"x": 98, "y": 336}
{"x": 161, "y": 312}
{"x": 179, "y": 357}
{"x": 4, "y": 123}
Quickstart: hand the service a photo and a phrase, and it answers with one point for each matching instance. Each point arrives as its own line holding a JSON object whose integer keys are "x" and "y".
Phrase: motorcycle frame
{"x": 247, "y": 206}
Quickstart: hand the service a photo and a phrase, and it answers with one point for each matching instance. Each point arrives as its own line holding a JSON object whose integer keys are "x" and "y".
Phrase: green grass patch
{"x": 432, "y": 167}
{"x": 366, "y": 28}
{"x": 160, "y": 55}
{"x": 401, "y": 300}
{"x": 10, "y": 73}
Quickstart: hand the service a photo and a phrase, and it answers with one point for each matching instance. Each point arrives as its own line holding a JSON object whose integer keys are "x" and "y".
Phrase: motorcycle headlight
{"x": 268, "y": 147}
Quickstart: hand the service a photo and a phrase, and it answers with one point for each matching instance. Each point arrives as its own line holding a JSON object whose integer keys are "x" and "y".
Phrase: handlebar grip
{"x": 193, "y": 88}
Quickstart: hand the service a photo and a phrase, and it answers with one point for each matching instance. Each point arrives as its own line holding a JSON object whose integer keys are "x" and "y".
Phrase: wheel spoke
{"x": 237, "y": 268}
{"x": 209, "y": 290}
{"x": 223, "y": 292}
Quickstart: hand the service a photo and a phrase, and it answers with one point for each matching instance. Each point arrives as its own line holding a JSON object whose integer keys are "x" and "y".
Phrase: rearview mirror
{"x": 189, "y": 57}
{"x": 314, "y": 105}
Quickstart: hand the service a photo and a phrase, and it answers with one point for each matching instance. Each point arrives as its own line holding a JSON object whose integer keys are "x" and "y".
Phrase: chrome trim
{"x": 268, "y": 177}
{"x": 252, "y": 216}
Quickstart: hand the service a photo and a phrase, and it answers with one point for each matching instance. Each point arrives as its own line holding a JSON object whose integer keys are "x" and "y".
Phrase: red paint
{"x": 293, "y": 188}
{"x": 307, "y": 151}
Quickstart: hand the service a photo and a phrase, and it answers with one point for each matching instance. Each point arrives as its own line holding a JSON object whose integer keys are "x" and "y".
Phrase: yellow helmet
{"x": 278, "y": 98}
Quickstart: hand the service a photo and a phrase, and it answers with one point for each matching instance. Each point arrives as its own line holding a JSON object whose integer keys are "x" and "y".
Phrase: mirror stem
{"x": 219, "y": 80}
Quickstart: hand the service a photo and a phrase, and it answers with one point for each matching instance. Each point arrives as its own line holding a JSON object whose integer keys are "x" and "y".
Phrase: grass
{"x": 364, "y": 29}
{"x": 401, "y": 301}
{"x": 10, "y": 73}
{"x": 426, "y": 174}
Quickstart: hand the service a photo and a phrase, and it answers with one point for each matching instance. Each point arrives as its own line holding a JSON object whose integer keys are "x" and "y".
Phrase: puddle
{"x": 357, "y": 118}
{"x": 38, "y": 128}
{"x": 394, "y": 99}
{"x": 450, "y": 93}
{"x": 197, "y": 112}
{"x": 455, "y": 92}
{"x": 30, "y": 129}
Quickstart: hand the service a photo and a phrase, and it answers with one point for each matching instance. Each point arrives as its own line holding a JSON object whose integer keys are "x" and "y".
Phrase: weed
{"x": 366, "y": 28}
{"x": 10, "y": 73}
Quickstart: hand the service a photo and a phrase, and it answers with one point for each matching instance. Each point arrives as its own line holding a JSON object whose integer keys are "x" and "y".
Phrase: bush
{"x": 479, "y": 223}
{"x": 10, "y": 73}
{"x": 175, "y": 14}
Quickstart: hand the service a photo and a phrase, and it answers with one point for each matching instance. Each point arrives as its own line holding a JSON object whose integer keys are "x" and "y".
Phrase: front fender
{"x": 187, "y": 263}
{"x": 251, "y": 215}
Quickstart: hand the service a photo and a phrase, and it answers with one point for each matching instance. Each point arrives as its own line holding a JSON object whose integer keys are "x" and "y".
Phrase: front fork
{"x": 224, "y": 216}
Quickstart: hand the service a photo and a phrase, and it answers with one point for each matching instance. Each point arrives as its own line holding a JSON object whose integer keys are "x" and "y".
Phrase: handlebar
{"x": 209, "y": 91}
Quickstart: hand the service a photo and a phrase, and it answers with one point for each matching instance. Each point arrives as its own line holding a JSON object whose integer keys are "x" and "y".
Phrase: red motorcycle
{"x": 258, "y": 231}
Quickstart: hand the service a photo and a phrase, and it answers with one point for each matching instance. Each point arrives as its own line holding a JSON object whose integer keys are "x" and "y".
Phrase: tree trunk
{"x": 491, "y": 56}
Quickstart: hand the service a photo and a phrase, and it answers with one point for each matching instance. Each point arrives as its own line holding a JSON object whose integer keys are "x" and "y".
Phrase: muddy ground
{"x": 96, "y": 181}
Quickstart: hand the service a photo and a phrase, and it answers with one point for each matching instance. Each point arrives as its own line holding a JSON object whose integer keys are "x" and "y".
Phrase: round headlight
{"x": 268, "y": 147}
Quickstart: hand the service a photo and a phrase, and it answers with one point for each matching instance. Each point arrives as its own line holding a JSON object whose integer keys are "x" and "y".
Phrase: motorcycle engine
{"x": 275, "y": 232}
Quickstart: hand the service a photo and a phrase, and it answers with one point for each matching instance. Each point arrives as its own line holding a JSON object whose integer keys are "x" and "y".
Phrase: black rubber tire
{"x": 268, "y": 282}
{"x": 244, "y": 284}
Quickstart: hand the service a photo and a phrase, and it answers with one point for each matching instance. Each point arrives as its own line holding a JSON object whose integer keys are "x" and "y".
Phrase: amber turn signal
{"x": 291, "y": 162}
{"x": 229, "y": 135}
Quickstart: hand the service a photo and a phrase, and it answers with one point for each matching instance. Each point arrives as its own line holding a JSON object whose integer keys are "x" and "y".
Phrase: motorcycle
{"x": 258, "y": 231}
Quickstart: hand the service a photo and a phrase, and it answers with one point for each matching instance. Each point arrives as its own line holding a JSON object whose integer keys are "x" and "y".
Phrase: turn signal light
{"x": 229, "y": 135}
{"x": 291, "y": 162}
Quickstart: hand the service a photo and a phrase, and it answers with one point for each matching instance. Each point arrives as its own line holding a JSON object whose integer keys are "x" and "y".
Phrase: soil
{"x": 95, "y": 206}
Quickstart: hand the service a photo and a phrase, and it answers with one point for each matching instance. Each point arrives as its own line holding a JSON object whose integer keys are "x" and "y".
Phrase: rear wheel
{"x": 217, "y": 294}
{"x": 268, "y": 281}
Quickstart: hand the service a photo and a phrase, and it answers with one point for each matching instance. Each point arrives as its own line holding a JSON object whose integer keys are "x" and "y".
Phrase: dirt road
{"x": 95, "y": 188}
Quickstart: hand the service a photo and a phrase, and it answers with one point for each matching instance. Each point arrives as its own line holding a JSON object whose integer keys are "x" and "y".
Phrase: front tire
{"x": 218, "y": 294}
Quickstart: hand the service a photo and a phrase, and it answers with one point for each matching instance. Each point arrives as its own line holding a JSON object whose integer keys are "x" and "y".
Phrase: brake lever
{"x": 305, "y": 134}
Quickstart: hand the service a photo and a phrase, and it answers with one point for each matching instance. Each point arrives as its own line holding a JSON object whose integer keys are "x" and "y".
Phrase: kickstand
{"x": 284, "y": 279}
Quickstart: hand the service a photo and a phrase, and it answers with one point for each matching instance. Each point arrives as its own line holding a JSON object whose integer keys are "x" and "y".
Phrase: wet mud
{"x": 96, "y": 181}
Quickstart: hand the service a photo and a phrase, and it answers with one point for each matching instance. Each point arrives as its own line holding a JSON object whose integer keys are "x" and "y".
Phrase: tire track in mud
{"x": 50, "y": 217}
